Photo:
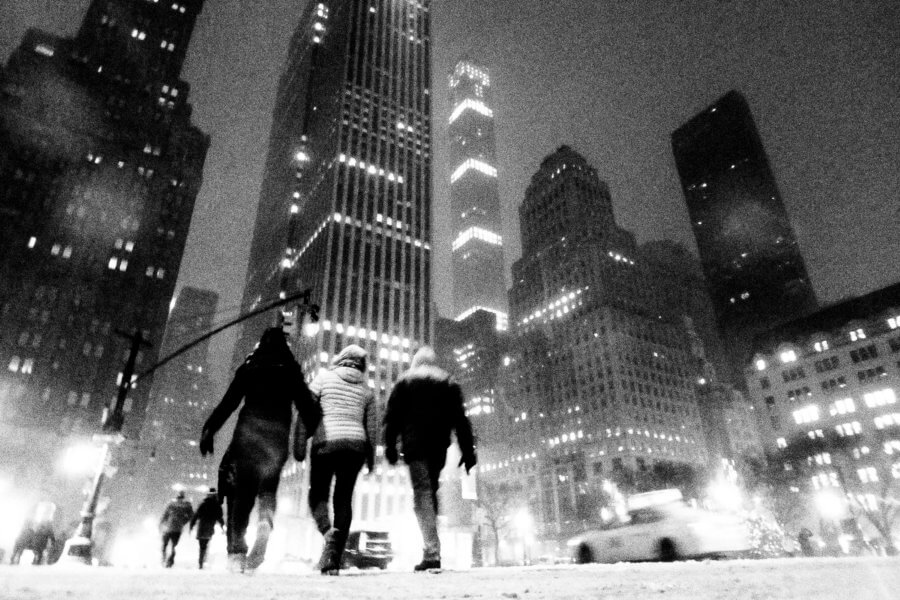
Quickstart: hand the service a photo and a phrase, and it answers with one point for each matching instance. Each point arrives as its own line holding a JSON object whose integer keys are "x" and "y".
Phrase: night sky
{"x": 612, "y": 79}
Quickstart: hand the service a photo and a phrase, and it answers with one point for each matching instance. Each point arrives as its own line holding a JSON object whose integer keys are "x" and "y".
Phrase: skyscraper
{"x": 345, "y": 207}
{"x": 181, "y": 400}
{"x": 601, "y": 378}
{"x": 99, "y": 170}
{"x": 478, "y": 266}
{"x": 753, "y": 266}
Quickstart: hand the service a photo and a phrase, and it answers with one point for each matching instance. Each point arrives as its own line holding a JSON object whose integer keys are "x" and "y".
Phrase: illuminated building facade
{"x": 345, "y": 207}
{"x": 752, "y": 263}
{"x": 601, "y": 376}
{"x": 472, "y": 350}
{"x": 835, "y": 372}
{"x": 99, "y": 171}
{"x": 479, "y": 282}
{"x": 181, "y": 400}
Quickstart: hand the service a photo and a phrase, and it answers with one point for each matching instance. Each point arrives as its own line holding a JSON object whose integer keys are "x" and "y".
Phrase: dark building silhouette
{"x": 181, "y": 400}
{"x": 752, "y": 262}
{"x": 479, "y": 281}
{"x": 99, "y": 170}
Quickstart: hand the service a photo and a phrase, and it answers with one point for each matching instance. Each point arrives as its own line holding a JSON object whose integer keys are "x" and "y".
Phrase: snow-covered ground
{"x": 794, "y": 579}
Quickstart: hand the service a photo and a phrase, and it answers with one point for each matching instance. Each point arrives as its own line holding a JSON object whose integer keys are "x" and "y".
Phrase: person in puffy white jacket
{"x": 344, "y": 440}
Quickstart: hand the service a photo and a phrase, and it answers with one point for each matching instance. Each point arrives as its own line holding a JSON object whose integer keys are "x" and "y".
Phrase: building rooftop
{"x": 830, "y": 318}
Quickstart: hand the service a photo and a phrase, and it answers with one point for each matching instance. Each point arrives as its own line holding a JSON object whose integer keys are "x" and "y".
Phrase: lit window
{"x": 857, "y": 334}
{"x": 469, "y": 104}
{"x": 318, "y": 26}
{"x": 27, "y": 365}
{"x": 32, "y": 241}
{"x": 473, "y": 164}
{"x": 760, "y": 365}
{"x": 129, "y": 246}
{"x": 123, "y": 265}
{"x": 67, "y": 252}
{"x": 842, "y": 407}
{"x": 821, "y": 346}
{"x": 867, "y": 474}
{"x": 894, "y": 322}
{"x": 113, "y": 263}
{"x": 807, "y": 414}
{"x": 846, "y": 429}
{"x": 788, "y": 356}
{"x": 149, "y": 272}
{"x": 781, "y": 442}
{"x": 14, "y": 364}
{"x": 55, "y": 249}
{"x": 160, "y": 273}
{"x": 477, "y": 233}
{"x": 880, "y": 398}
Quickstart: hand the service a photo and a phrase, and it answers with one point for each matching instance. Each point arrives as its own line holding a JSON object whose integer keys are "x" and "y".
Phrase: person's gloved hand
{"x": 206, "y": 443}
{"x": 390, "y": 453}
{"x": 469, "y": 461}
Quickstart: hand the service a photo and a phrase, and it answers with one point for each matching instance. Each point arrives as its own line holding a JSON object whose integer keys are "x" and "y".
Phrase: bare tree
{"x": 498, "y": 502}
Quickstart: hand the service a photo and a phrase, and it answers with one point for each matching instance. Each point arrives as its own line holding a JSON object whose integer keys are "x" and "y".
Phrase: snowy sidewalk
{"x": 839, "y": 579}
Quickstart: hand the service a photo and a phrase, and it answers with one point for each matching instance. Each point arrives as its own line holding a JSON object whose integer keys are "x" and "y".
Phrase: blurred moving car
{"x": 367, "y": 549}
{"x": 661, "y": 526}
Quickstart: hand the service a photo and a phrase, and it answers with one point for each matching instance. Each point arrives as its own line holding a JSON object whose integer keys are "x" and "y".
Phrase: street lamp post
{"x": 80, "y": 546}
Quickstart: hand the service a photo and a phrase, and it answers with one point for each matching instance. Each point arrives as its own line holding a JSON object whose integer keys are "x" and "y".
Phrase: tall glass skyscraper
{"x": 753, "y": 266}
{"x": 345, "y": 207}
{"x": 478, "y": 266}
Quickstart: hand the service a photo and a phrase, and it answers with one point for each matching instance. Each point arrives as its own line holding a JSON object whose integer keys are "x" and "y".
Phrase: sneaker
{"x": 428, "y": 564}
{"x": 258, "y": 553}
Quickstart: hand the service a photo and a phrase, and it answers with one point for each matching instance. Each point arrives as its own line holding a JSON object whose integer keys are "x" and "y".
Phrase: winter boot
{"x": 328, "y": 562}
{"x": 427, "y": 564}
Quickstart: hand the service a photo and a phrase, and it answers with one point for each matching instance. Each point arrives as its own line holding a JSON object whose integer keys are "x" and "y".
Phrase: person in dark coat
{"x": 344, "y": 440}
{"x": 177, "y": 514}
{"x": 268, "y": 383}
{"x": 424, "y": 407}
{"x": 208, "y": 514}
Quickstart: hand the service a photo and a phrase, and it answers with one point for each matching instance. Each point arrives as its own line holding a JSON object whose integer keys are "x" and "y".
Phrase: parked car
{"x": 665, "y": 529}
{"x": 366, "y": 549}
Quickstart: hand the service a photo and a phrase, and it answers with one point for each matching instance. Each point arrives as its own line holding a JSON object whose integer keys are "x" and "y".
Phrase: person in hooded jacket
{"x": 208, "y": 514}
{"x": 268, "y": 383}
{"x": 344, "y": 440}
{"x": 424, "y": 407}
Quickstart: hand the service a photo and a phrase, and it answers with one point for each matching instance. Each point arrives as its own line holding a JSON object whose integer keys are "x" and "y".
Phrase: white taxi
{"x": 660, "y": 526}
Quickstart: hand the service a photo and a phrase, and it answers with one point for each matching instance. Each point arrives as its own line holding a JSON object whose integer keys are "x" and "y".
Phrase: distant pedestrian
{"x": 425, "y": 406}
{"x": 804, "y": 538}
{"x": 268, "y": 383}
{"x": 176, "y": 515}
{"x": 208, "y": 514}
{"x": 344, "y": 440}
{"x": 24, "y": 541}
